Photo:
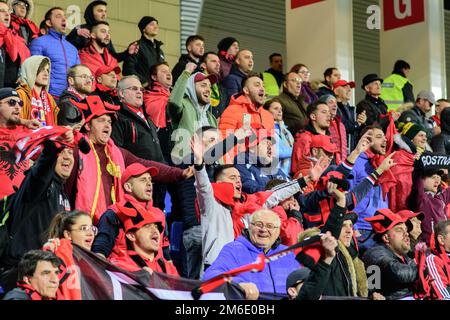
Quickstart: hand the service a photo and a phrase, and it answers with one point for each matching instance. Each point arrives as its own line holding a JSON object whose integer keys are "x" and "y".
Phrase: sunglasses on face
{"x": 13, "y": 103}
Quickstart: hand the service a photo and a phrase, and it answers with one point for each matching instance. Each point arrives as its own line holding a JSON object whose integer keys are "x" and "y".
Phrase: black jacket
{"x": 107, "y": 96}
{"x": 8, "y": 70}
{"x": 441, "y": 142}
{"x": 348, "y": 117}
{"x": 68, "y": 114}
{"x": 81, "y": 42}
{"x": 397, "y": 277}
{"x": 418, "y": 117}
{"x": 375, "y": 110}
{"x": 181, "y": 65}
{"x": 139, "y": 137}
{"x": 139, "y": 64}
{"x": 40, "y": 197}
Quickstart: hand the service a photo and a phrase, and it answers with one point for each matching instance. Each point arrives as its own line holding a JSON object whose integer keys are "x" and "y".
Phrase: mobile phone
{"x": 246, "y": 121}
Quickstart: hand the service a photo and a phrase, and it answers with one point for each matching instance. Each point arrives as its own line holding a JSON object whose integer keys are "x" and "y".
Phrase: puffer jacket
{"x": 242, "y": 252}
{"x": 398, "y": 276}
{"x": 441, "y": 142}
{"x": 62, "y": 55}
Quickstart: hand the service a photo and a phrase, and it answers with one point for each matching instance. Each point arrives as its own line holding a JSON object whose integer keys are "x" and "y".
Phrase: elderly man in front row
{"x": 262, "y": 236}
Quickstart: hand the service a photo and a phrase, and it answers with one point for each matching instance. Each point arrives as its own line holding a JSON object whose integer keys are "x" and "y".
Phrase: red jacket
{"x": 94, "y": 60}
{"x": 301, "y": 151}
{"x": 155, "y": 102}
{"x": 438, "y": 265}
{"x": 339, "y": 138}
{"x": 11, "y": 173}
{"x": 17, "y": 22}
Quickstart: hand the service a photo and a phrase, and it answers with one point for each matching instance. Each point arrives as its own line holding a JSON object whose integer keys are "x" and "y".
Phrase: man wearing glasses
{"x": 294, "y": 107}
{"x": 262, "y": 236}
{"x": 80, "y": 81}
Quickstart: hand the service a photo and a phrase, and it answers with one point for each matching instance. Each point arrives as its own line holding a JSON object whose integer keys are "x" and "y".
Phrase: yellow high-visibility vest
{"x": 391, "y": 91}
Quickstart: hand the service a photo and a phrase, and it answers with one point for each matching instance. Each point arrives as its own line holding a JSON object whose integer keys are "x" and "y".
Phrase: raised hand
{"x": 329, "y": 244}
{"x": 319, "y": 167}
{"x": 336, "y": 194}
{"x": 133, "y": 48}
{"x": 386, "y": 164}
{"x": 361, "y": 118}
{"x": 197, "y": 149}
{"x": 190, "y": 67}
{"x": 83, "y": 32}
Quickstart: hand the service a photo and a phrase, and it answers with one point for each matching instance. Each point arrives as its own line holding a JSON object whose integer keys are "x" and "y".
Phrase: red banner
{"x": 301, "y": 3}
{"x": 400, "y": 13}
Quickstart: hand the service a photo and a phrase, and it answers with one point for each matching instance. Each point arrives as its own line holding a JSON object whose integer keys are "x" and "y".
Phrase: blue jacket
{"x": 255, "y": 177}
{"x": 374, "y": 198}
{"x": 62, "y": 55}
{"x": 284, "y": 145}
{"x": 233, "y": 82}
{"x": 242, "y": 252}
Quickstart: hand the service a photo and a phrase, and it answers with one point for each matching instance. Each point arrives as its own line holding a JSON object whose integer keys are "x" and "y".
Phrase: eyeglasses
{"x": 22, "y": 5}
{"x": 305, "y": 72}
{"x": 86, "y": 229}
{"x": 13, "y": 103}
{"x": 297, "y": 80}
{"x": 85, "y": 77}
{"x": 261, "y": 225}
{"x": 135, "y": 89}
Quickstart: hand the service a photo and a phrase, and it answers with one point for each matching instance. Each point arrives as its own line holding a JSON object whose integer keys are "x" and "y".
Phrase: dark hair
{"x": 313, "y": 107}
{"x": 442, "y": 100}
{"x": 64, "y": 221}
{"x": 48, "y": 14}
{"x": 29, "y": 261}
{"x": 97, "y": 23}
{"x": 273, "y": 55}
{"x": 399, "y": 65}
{"x": 205, "y": 56}
{"x": 328, "y": 72}
{"x": 439, "y": 230}
{"x": 220, "y": 169}
{"x": 269, "y": 102}
{"x": 154, "y": 70}
{"x": 367, "y": 128}
{"x": 45, "y": 62}
{"x": 248, "y": 76}
{"x": 193, "y": 38}
{"x": 286, "y": 75}
{"x": 296, "y": 68}
{"x": 71, "y": 72}
{"x": 273, "y": 183}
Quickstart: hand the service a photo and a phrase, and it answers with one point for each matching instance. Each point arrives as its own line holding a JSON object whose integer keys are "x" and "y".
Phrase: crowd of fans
{"x": 250, "y": 163}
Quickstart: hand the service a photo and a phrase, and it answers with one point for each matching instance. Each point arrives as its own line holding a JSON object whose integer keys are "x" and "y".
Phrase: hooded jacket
{"x": 25, "y": 26}
{"x": 242, "y": 252}
{"x": 284, "y": 144}
{"x": 441, "y": 142}
{"x": 139, "y": 64}
{"x": 40, "y": 197}
{"x": 398, "y": 276}
{"x": 418, "y": 117}
{"x": 28, "y": 79}
{"x": 404, "y": 166}
{"x": 233, "y": 82}
{"x": 62, "y": 55}
{"x": 186, "y": 113}
{"x": 294, "y": 111}
{"x": 80, "y": 42}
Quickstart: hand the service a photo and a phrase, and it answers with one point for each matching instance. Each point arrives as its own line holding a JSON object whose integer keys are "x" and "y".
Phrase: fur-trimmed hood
{"x": 30, "y": 10}
{"x": 405, "y": 107}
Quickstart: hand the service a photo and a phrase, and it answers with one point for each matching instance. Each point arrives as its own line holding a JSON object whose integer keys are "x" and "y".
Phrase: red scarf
{"x": 227, "y": 57}
{"x": 17, "y": 22}
{"x": 391, "y": 131}
{"x": 33, "y": 294}
{"x": 75, "y": 93}
{"x": 387, "y": 180}
{"x": 41, "y": 108}
{"x": 14, "y": 44}
{"x": 102, "y": 88}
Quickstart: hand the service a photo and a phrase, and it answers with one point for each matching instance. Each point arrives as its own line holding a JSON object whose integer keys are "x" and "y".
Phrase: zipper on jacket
{"x": 271, "y": 278}
{"x": 64, "y": 52}
{"x": 349, "y": 290}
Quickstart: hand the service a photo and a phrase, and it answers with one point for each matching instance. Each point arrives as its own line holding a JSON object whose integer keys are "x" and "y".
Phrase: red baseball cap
{"x": 324, "y": 142}
{"x": 408, "y": 214}
{"x": 136, "y": 169}
{"x": 135, "y": 217}
{"x": 201, "y": 76}
{"x": 341, "y": 83}
{"x": 384, "y": 220}
{"x": 107, "y": 69}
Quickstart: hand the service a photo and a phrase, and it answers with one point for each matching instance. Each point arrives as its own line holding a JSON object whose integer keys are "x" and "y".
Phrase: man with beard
{"x": 368, "y": 165}
{"x": 96, "y": 54}
{"x": 398, "y": 271}
{"x": 54, "y": 45}
{"x": 189, "y": 108}
{"x": 195, "y": 47}
{"x": 210, "y": 64}
{"x": 80, "y": 81}
{"x": 246, "y": 110}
